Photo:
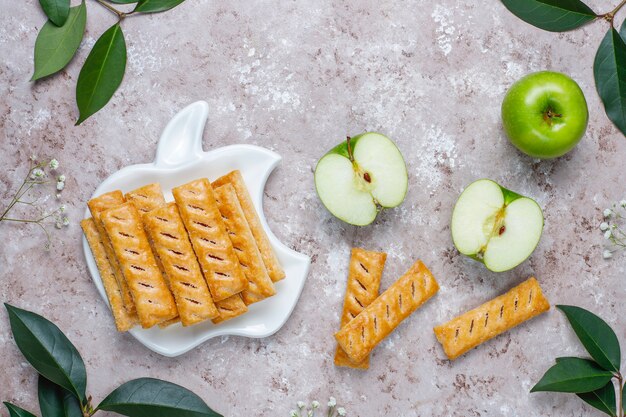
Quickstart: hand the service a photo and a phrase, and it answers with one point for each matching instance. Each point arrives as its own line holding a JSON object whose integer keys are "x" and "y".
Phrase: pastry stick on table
{"x": 97, "y": 206}
{"x": 496, "y": 316}
{"x": 170, "y": 240}
{"x": 208, "y": 235}
{"x": 229, "y": 308}
{"x": 361, "y": 335}
{"x": 153, "y": 300}
{"x": 274, "y": 270}
{"x": 123, "y": 320}
{"x": 260, "y": 286}
{"x": 366, "y": 270}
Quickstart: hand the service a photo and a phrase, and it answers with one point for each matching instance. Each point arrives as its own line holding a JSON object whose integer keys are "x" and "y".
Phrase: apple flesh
{"x": 360, "y": 176}
{"x": 496, "y": 226}
{"x": 545, "y": 114}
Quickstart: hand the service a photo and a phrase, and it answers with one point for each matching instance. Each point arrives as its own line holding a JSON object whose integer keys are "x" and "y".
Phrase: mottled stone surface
{"x": 296, "y": 77}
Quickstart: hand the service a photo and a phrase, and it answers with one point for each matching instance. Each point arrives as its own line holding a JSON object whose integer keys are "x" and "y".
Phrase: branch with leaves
{"x": 63, "y": 379}
{"x": 609, "y": 68}
{"x": 104, "y": 68}
{"x": 595, "y": 380}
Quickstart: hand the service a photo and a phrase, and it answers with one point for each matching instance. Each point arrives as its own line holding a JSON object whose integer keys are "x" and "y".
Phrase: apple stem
{"x": 350, "y": 155}
{"x": 550, "y": 114}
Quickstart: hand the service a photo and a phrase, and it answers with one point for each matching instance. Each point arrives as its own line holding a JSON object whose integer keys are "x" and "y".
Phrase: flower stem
{"x": 620, "y": 395}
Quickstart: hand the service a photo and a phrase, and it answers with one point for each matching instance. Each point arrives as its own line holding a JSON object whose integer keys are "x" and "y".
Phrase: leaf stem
{"x": 120, "y": 14}
{"x": 620, "y": 395}
{"x": 611, "y": 15}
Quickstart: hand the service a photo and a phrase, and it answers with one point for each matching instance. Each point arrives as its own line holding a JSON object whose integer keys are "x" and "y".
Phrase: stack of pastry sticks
{"x": 204, "y": 256}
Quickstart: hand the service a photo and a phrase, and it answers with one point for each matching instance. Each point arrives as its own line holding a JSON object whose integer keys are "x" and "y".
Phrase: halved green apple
{"x": 360, "y": 176}
{"x": 496, "y": 226}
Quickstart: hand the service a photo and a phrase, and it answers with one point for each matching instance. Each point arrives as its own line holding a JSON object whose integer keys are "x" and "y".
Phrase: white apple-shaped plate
{"x": 180, "y": 159}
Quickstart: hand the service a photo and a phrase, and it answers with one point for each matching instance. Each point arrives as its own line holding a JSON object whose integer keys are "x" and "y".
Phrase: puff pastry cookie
{"x": 209, "y": 238}
{"x": 494, "y": 317}
{"x": 97, "y": 206}
{"x": 230, "y": 308}
{"x": 366, "y": 270}
{"x": 274, "y": 270}
{"x": 123, "y": 320}
{"x": 153, "y": 300}
{"x": 359, "y": 337}
{"x": 260, "y": 286}
{"x": 146, "y": 198}
{"x": 167, "y": 232}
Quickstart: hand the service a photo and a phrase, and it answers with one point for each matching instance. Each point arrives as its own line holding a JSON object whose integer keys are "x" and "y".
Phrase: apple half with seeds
{"x": 496, "y": 226}
{"x": 361, "y": 176}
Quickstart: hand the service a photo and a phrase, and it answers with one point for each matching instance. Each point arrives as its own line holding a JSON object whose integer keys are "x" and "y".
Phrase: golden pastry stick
{"x": 209, "y": 238}
{"x": 361, "y": 335}
{"x": 366, "y": 270}
{"x": 469, "y": 330}
{"x": 230, "y": 308}
{"x": 172, "y": 245}
{"x": 274, "y": 270}
{"x": 260, "y": 286}
{"x": 97, "y": 206}
{"x": 123, "y": 320}
{"x": 146, "y": 198}
{"x": 153, "y": 300}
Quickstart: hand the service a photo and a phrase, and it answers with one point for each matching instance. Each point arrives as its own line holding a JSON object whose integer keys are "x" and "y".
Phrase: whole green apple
{"x": 545, "y": 114}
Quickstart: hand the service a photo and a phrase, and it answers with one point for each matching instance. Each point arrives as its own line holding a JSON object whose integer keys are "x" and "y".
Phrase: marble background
{"x": 296, "y": 77}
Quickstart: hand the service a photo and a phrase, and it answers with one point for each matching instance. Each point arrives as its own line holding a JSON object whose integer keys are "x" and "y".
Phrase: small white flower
{"x": 604, "y": 226}
{"x": 54, "y": 164}
{"x": 58, "y": 196}
{"x": 607, "y": 234}
{"x": 607, "y": 213}
{"x": 61, "y": 178}
{"x": 341, "y": 411}
{"x": 310, "y": 413}
{"x": 301, "y": 404}
{"x": 315, "y": 404}
{"x": 33, "y": 158}
{"x": 622, "y": 203}
{"x": 62, "y": 208}
{"x": 37, "y": 174}
{"x": 607, "y": 254}
{"x": 65, "y": 221}
{"x": 60, "y": 185}
{"x": 293, "y": 413}
{"x": 332, "y": 402}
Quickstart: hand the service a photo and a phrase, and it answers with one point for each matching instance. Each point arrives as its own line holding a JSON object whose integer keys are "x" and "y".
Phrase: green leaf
{"x": 147, "y": 397}
{"x": 609, "y": 71}
{"x": 54, "y": 401}
{"x": 47, "y": 349}
{"x": 155, "y": 6}
{"x": 15, "y": 411}
{"x": 102, "y": 72}
{"x": 56, "y": 10}
{"x": 552, "y": 15}
{"x": 603, "y": 399}
{"x": 595, "y": 335}
{"x": 573, "y": 375}
{"x": 55, "y": 46}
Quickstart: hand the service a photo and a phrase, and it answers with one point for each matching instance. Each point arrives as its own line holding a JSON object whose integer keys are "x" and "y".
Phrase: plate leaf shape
{"x": 609, "y": 71}
{"x": 603, "y": 399}
{"x": 102, "y": 72}
{"x": 552, "y": 15}
{"x": 48, "y": 350}
{"x": 155, "y": 6}
{"x": 55, "y": 401}
{"x": 595, "y": 335}
{"x": 148, "y": 397}
{"x": 56, "y": 46}
{"x": 56, "y": 10}
{"x": 15, "y": 411}
{"x": 573, "y": 375}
